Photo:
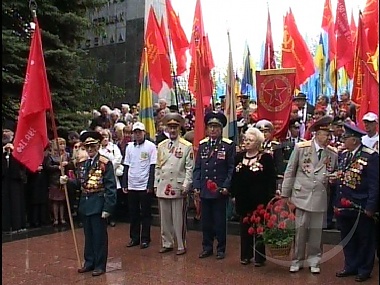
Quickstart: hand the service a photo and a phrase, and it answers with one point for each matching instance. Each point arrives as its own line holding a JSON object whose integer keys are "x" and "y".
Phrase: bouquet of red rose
{"x": 347, "y": 205}
{"x": 211, "y": 186}
{"x": 275, "y": 223}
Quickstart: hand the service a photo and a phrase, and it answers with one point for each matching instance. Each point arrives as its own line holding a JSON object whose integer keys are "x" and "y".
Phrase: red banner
{"x": 275, "y": 88}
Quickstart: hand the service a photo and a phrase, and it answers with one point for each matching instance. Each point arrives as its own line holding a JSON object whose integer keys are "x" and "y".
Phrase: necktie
{"x": 349, "y": 157}
{"x": 170, "y": 145}
{"x": 320, "y": 153}
{"x": 212, "y": 144}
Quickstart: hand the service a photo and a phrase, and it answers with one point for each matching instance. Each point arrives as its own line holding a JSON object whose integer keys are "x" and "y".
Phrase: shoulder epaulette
{"x": 227, "y": 140}
{"x": 333, "y": 149}
{"x": 304, "y": 144}
{"x": 344, "y": 151}
{"x": 368, "y": 150}
{"x": 302, "y": 140}
{"x": 185, "y": 142}
{"x": 163, "y": 142}
{"x": 103, "y": 159}
{"x": 275, "y": 142}
{"x": 204, "y": 140}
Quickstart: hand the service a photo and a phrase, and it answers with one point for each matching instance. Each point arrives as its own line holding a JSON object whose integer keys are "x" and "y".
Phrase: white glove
{"x": 105, "y": 215}
{"x": 63, "y": 179}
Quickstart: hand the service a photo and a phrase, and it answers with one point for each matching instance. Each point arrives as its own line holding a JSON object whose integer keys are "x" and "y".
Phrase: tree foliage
{"x": 72, "y": 74}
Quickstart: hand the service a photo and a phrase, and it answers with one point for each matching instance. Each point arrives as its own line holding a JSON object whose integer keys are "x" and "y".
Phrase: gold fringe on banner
{"x": 277, "y": 71}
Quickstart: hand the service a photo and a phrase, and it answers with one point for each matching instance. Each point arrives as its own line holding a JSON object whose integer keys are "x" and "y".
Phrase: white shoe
{"x": 294, "y": 268}
{"x": 315, "y": 270}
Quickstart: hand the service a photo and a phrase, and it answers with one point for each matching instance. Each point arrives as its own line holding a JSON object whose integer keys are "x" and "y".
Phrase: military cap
{"x": 216, "y": 118}
{"x": 338, "y": 121}
{"x": 9, "y": 125}
{"x": 294, "y": 123}
{"x": 352, "y": 131}
{"x": 300, "y": 95}
{"x": 173, "y": 108}
{"x": 263, "y": 125}
{"x": 90, "y": 137}
{"x": 323, "y": 124}
{"x": 173, "y": 119}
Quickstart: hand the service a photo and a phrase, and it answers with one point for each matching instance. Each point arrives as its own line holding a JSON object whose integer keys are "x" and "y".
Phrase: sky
{"x": 247, "y": 21}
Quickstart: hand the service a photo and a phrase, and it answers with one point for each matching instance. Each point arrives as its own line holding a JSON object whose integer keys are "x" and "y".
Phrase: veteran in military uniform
{"x": 97, "y": 201}
{"x": 173, "y": 179}
{"x": 214, "y": 166}
{"x": 305, "y": 185}
{"x": 357, "y": 202}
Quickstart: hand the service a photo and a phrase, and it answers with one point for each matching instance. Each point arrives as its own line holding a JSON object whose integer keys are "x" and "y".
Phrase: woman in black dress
{"x": 253, "y": 183}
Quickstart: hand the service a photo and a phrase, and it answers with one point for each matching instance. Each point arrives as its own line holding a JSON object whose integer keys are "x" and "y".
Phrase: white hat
{"x": 371, "y": 117}
{"x": 138, "y": 126}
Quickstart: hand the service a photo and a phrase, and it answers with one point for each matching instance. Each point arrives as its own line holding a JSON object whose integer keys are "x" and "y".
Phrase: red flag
{"x": 344, "y": 48}
{"x": 275, "y": 89}
{"x": 156, "y": 53}
{"x": 31, "y": 135}
{"x": 365, "y": 87}
{"x": 165, "y": 58}
{"x": 163, "y": 34}
{"x": 200, "y": 83}
{"x": 295, "y": 53}
{"x": 353, "y": 28}
{"x": 178, "y": 38}
{"x": 269, "y": 60}
{"x": 371, "y": 23}
{"x": 328, "y": 27}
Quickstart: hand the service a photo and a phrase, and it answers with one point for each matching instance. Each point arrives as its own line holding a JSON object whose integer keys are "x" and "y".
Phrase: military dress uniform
{"x": 214, "y": 167}
{"x": 173, "y": 178}
{"x": 305, "y": 184}
{"x": 358, "y": 182}
{"x": 98, "y": 195}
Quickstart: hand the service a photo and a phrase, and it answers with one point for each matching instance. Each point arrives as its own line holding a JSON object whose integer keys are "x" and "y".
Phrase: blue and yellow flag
{"x": 146, "y": 101}
{"x": 248, "y": 86}
{"x": 320, "y": 63}
{"x": 230, "y": 130}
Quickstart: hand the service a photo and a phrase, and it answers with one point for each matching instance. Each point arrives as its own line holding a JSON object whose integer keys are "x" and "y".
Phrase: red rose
{"x": 277, "y": 209}
{"x": 211, "y": 185}
{"x": 259, "y": 207}
{"x": 167, "y": 192}
{"x": 284, "y": 214}
{"x": 172, "y": 192}
{"x": 257, "y": 220}
{"x": 262, "y": 212}
{"x": 345, "y": 202}
{"x": 291, "y": 217}
{"x": 253, "y": 219}
{"x": 246, "y": 220}
{"x": 260, "y": 230}
{"x": 282, "y": 225}
{"x": 270, "y": 224}
{"x": 267, "y": 216}
{"x": 168, "y": 187}
{"x": 273, "y": 218}
{"x": 251, "y": 231}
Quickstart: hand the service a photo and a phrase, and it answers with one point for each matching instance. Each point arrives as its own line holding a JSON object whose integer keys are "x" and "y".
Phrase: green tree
{"x": 71, "y": 72}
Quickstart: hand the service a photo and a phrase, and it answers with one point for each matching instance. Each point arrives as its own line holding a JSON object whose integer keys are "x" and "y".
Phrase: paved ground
{"x": 51, "y": 259}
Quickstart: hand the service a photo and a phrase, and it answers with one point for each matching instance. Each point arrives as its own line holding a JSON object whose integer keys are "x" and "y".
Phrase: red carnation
{"x": 260, "y": 230}
{"x": 284, "y": 214}
{"x": 259, "y": 207}
{"x": 277, "y": 209}
{"x": 246, "y": 220}
{"x": 262, "y": 212}
{"x": 167, "y": 192}
{"x": 273, "y": 218}
{"x": 345, "y": 202}
{"x": 251, "y": 231}
{"x": 172, "y": 192}
{"x": 270, "y": 224}
{"x": 253, "y": 219}
{"x": 257, "y": 220}
{"x": 282, "y": 225}
{"x": 291, "y": 217}
{"x": 266, "y": 216}
{"x": 211, "y": 185}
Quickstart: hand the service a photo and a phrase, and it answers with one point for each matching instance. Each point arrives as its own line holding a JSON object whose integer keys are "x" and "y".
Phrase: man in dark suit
{"x": 358, "y": 186}
{"x": 306, "y": 110}
{"x": 96, "y": 203}
{"x": 214, "y": 166}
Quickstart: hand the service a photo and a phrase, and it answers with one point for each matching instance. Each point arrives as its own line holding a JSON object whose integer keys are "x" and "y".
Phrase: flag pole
{"x": 33, "y": 9}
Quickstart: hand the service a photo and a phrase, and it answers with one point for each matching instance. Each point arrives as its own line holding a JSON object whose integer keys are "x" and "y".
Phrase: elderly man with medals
{"x": 173, "y": 179}
{"x": 98, "y": 198}
{"x": 356, "y": 203}
{"x": 305, "y": 184}
{"x": 212, "y": 176}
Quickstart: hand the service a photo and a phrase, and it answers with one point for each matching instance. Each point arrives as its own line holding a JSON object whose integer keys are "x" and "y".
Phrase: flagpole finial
{"x": 33, "y": 8}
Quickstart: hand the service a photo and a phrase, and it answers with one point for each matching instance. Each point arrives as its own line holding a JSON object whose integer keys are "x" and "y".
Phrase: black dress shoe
{"x": 245, "y": 261}
{"x": 132, "y": 243}
{"x": 85, "y": 269}
{"x": 220, "y": 255}
{"x": 259, "y": 264}
{"x": 144, "y": 245}
{"x": 165, "y": 249}
{"x": 344, "y": 273}
{"x": 205, "y": 254}
{"x": 361, "y": 278}
{"x": 98, "y": 272}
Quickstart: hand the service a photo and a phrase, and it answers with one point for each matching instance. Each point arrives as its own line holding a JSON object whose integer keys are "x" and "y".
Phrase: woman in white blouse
{"x": 112, "y": 152}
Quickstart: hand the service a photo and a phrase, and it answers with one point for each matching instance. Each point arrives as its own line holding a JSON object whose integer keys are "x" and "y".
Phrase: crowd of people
{"x": 114, "y": 166}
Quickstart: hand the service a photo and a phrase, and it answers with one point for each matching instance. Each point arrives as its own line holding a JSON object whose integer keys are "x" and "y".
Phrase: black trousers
{"x": 140, "y": 213}
{"x": 251, "y": 245}
{"x": 214, "y": 223}
{"x": 95, "y": 242}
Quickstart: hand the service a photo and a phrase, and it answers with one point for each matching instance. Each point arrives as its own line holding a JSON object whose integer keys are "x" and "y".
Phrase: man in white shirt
{"x": 371, "y": 139}
{"x": 138, "y": 181}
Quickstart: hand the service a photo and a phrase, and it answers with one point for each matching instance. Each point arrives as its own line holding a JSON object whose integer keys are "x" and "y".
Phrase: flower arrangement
{"x": 275, "y": 223}
{"x": 169, "y": 190}
{"x": 347, "y": 205}
{"x": 211, "y": 186}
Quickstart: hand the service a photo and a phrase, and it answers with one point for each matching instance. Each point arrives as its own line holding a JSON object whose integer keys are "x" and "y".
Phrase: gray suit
{"x": 174, "y": 173}
{"x": 306, "y": 184}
